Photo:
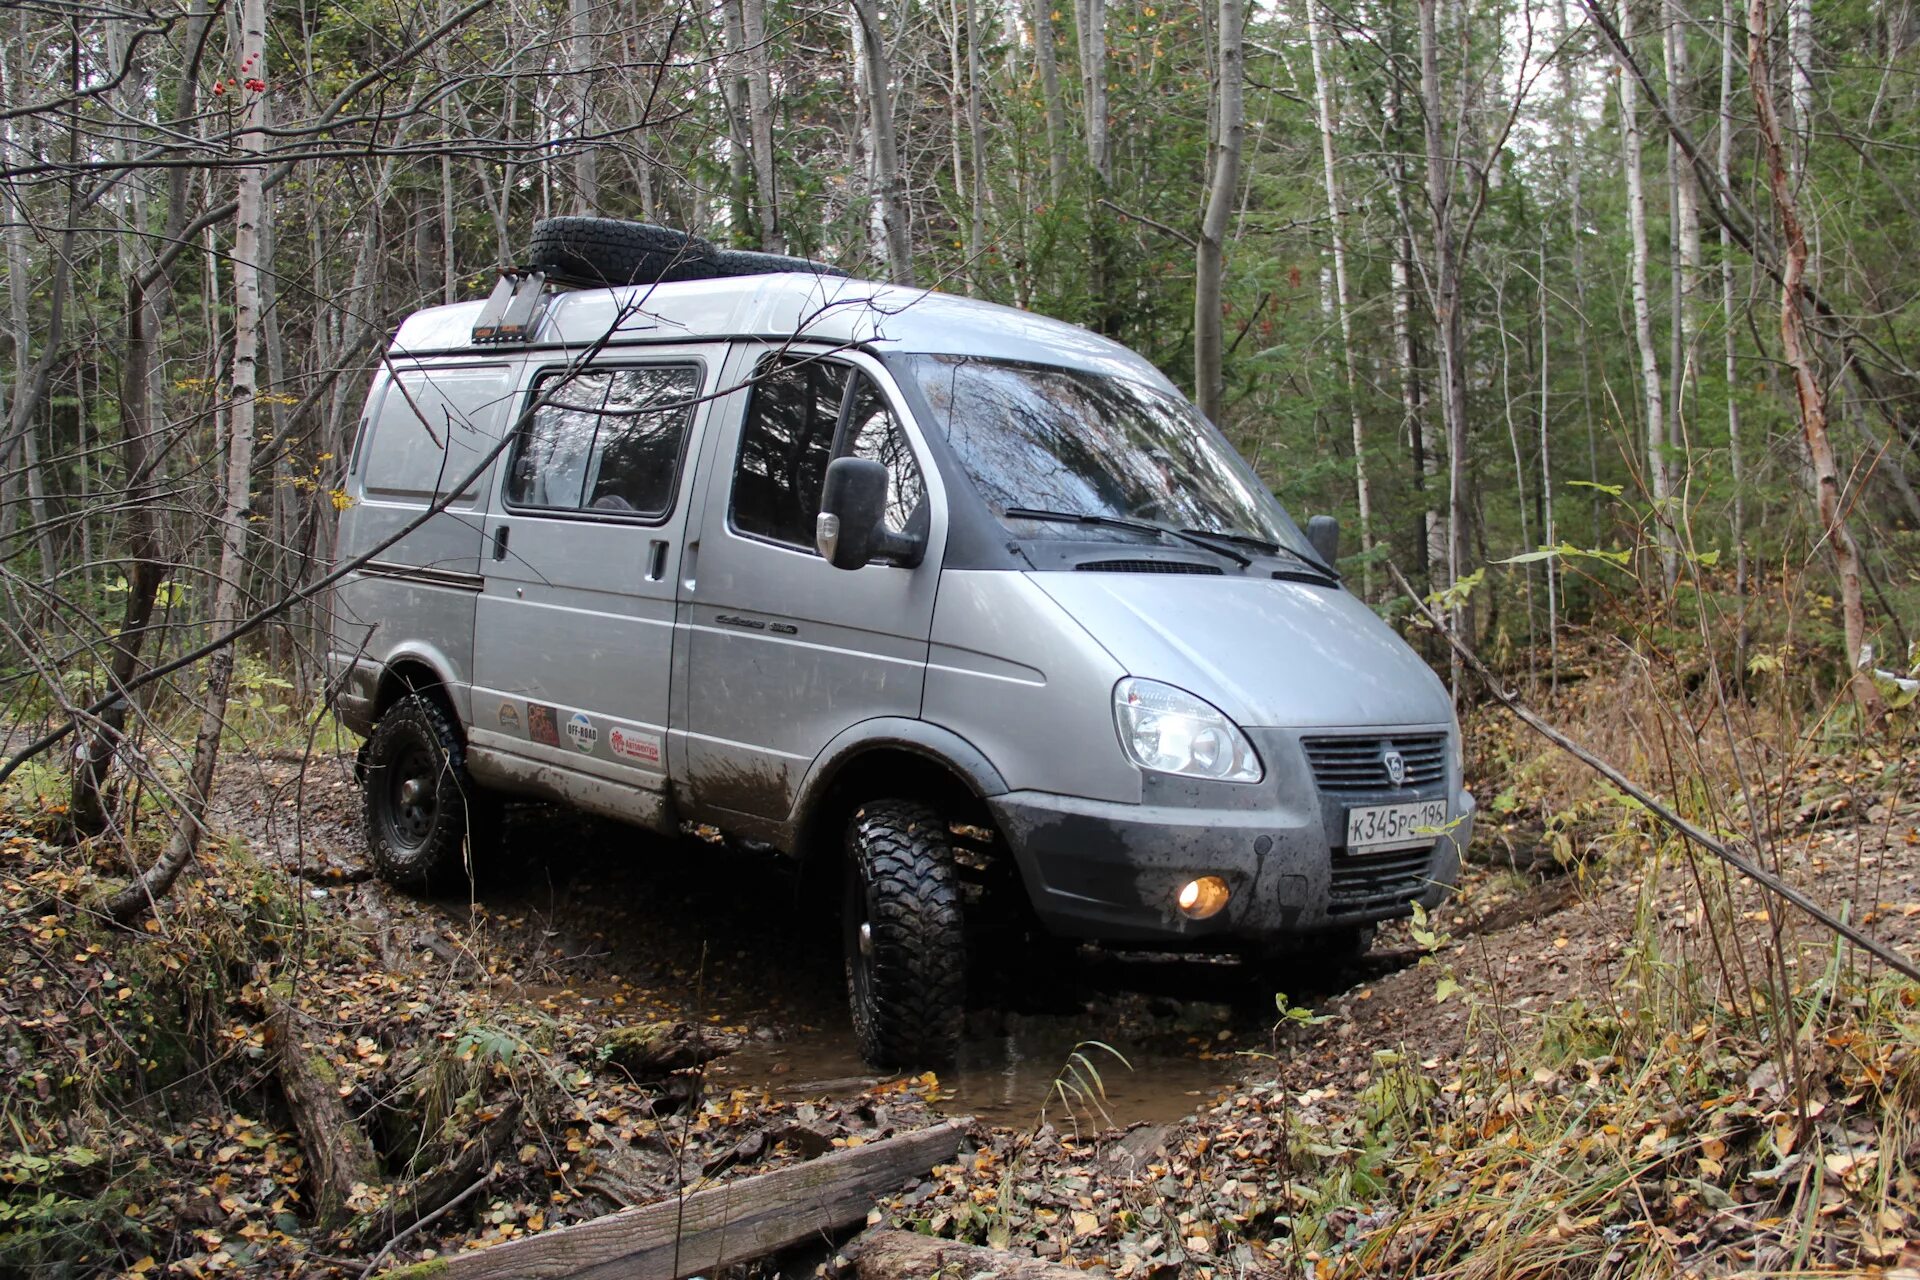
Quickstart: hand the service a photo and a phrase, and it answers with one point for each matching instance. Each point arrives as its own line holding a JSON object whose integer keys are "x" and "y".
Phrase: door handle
{"x": 500, "y": 542}
{"x": 689, "y": 561}
{"x": 657, "y": 560}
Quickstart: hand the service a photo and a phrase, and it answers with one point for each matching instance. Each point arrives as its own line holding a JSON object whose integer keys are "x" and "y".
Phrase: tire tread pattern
{"x": 918, "y": 994}
{"x": 465, "y": 809}
{"x": 612, "y": 251}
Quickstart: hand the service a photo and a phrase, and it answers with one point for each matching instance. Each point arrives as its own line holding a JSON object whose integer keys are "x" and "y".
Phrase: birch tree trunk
{"x": 1810, "y": 390}
{"x": 1686, "y": 206}
{"x": 1736, "y": 461}
{"x": 1450, "y": 331}
{"x": 229, "y": 577}
{"x": 1222, "y": 185}
{"x": 1323, "y": 108}
{"x": 895, "y": 211}
{"x": 1658, "y": 480}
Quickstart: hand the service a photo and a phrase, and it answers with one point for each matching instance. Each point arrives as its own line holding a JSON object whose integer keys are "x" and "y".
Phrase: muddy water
{"x": 691, "y": 931}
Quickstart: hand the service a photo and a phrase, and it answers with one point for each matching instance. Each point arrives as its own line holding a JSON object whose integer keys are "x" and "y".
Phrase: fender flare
{"x": 940, "y": 746}
{"x": 426, "y": 656}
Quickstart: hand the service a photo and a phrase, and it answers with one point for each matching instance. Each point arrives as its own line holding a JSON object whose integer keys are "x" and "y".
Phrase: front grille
{"x": 1377, "y": 880}
{"x": 1147, "y": 566}
{"x": 1359, "y": 763}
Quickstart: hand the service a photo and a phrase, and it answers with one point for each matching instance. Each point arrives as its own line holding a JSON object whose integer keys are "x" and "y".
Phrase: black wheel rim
{"x": 413, "y": 796}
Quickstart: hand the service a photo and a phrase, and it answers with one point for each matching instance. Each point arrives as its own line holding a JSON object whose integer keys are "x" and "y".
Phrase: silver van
{"x": 968, "y": 607}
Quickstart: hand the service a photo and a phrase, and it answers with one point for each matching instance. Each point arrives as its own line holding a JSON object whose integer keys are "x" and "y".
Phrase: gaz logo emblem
{"x": 1396, "y": 766}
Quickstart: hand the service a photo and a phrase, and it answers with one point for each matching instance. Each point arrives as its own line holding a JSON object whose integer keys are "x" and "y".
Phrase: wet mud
{"x": 703, "y": 933}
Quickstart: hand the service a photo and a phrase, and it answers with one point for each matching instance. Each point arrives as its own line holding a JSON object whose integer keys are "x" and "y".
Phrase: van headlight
{"x": 1168, "y": 730}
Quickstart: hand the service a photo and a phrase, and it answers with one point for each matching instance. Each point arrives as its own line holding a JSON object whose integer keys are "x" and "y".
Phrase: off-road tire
{"x": 906, "y": 975}
{"x": 427, "y": 835}
{"x": 613, "y": 252}
{"x": 745, "y": 262}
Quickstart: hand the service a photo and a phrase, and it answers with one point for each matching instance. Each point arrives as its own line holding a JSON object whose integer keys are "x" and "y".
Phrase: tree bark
{"x": 1450, "y": 329}
{"x": 753, "y": 17}
{"x": 1736, "y": 461}
{"x": 1806, "y": 380}
{"x": 1658, "y": 480}
{"x": 1323, "y": 109}
{"x": 586, "y": 162}
{"x": 886, "y": 150}
{"x": 1048, "y": 58}
{"x": 229, "y": 577}
{"x": 1222, "y": 185}
{"x": 890, "y": 1254}
{"x": 976, "y": 148}
{"x": 339, "y": 1154}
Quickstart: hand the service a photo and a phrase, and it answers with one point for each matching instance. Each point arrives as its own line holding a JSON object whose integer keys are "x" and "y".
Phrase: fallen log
{"x": 339, "y": 1154}
{"x": 715, "y": 1227}
{"x": 426, "y": 1195}
{"x": 649, "y": 1050}
{"x": 887, "y": 1254}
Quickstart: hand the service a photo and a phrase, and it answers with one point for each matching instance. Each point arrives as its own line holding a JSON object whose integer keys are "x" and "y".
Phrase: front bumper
{"x": 1096, "y": 869}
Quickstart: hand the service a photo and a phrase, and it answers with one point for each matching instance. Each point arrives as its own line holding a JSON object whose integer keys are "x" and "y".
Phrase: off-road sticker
{"x": 581, "y": 730}
{"x": 509, "y": 718}
{"x": 543, "y": 725}
{"x": 635, "y": 745}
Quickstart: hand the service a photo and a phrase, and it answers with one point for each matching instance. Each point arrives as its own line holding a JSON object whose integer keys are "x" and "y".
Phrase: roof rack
{"x": 513, "y": 309}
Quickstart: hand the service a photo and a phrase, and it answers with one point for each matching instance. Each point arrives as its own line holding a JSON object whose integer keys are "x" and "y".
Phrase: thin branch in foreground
{"x": 1754, "y": 872}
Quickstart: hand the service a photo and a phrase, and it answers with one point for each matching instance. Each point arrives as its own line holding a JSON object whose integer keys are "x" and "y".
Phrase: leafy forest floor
{"x": 1600, "y": 1057}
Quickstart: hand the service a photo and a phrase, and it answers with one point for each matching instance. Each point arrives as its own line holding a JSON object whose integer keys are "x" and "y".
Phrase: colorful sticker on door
{"x": 543, "y": 725}
{"x": 581, "y": 730}
{"x": 509, "y": 718}
{"x": 634, "y": 745}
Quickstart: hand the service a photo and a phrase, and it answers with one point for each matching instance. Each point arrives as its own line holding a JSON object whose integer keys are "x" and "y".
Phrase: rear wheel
{"x": 905, "y": 946}
{"x": 424, "y": 815}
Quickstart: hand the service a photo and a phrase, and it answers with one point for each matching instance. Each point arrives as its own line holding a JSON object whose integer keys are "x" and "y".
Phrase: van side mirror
{"x": 851, "y": 529}
{"x": 1323, "y": 535}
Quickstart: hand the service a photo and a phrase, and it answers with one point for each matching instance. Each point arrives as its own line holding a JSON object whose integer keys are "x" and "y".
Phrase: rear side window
{"x": 606, "y": 441}
{"x": 435, "y": 426}
{"x": 794, "y": 423}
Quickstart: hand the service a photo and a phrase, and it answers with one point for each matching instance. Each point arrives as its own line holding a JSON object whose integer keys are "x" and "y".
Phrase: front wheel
{"x": 423, "y": 813}
{"x": 905, "y": 945}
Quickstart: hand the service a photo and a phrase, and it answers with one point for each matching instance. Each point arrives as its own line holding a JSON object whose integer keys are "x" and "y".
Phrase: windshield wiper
{"x": 1270, "y": 548}
{"x": 1198, "y": 539}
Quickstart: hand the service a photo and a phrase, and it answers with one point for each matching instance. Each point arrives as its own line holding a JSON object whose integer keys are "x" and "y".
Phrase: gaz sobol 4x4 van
{"x": 970, "y": 605}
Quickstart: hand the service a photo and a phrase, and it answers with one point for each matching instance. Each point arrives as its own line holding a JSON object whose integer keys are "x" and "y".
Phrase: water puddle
{"x": 1118, "y": 1063}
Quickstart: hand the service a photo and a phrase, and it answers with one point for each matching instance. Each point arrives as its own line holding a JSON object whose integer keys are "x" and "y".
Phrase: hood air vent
{"x": 1147, "y": 566}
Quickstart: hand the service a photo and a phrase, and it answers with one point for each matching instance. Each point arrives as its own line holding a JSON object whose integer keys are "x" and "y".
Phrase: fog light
{"x": 1199, "y": 899}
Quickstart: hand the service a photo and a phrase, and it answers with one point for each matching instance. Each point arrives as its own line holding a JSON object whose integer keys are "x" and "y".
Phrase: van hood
{"x": 1269, "y": 653}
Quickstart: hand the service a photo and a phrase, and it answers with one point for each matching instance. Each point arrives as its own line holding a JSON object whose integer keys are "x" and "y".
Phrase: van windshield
{"x": 1066, "y": 441}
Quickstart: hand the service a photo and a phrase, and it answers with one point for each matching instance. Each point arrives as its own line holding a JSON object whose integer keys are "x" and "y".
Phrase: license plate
{"x": 1395, "y": 826}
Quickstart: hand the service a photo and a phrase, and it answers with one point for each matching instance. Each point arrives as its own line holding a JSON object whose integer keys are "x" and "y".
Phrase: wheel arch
{"x": 893, "y": 757}
{"x": 413, "y": 671}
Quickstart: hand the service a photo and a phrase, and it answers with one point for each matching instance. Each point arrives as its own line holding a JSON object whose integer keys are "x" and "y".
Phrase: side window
{"x": 790, "y": 435}
{"x": 785, "y": 445}
{"x": 605, "y": 440}
{"x": 873, "y": 432}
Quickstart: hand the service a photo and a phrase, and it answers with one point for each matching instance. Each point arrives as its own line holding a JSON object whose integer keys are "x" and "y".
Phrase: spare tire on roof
{"x": 745, "y": 262}
{"x": 613, "y": 251}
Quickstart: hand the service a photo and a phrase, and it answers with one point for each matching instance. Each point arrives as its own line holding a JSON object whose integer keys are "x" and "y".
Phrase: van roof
{"x": 788, "y": 306}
